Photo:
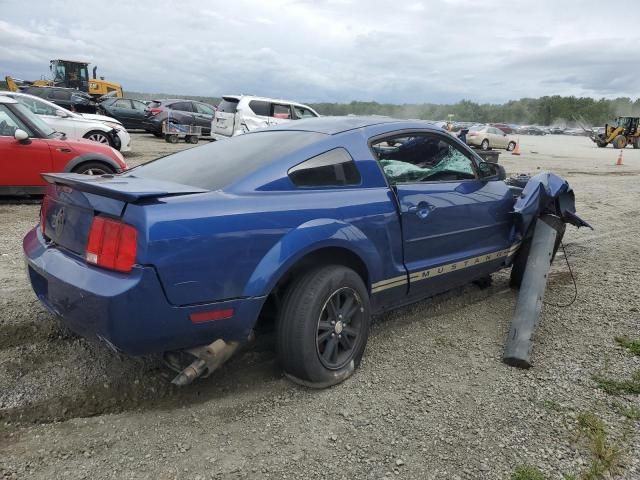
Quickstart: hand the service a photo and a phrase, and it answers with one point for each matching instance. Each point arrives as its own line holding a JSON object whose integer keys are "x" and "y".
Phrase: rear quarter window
{"x": 260, "y": 107}
{"x": 334, "y": 168}
{"x": 218, "y": 164}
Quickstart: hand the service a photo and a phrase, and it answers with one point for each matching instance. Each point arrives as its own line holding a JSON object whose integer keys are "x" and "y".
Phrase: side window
{"x": 422, "y": 158}
{"x": 334, "y": 168}
{"x": 182, "y": 106}
{"x": 302, "y": 112}
{"x": 281, "y": 111}
{"x": 260, "y": 107}
{"x": 122, "y": 104}
{"x": 37, "y": 106}
{"x": 60, "y": 94}
{"x": 205, "y": 109}
{"x": 137, "y": 105}
{"x": 9, "y": 123}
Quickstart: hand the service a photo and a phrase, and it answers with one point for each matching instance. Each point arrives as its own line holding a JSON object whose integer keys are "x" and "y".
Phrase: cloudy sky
{"x": 334, "y": 50}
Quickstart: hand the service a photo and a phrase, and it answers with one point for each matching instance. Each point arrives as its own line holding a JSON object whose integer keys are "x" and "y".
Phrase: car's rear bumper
{"x": 128, "y": 311}
{"x": 152, "y": 127}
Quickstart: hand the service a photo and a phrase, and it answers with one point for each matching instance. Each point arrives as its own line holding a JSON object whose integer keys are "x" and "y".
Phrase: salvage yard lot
{"x": 432, "y": 398}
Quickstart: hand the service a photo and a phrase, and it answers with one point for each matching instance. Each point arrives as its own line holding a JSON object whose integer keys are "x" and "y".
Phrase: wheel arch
{"x": 91, "y": 157}
{"x": 315, "y": 241}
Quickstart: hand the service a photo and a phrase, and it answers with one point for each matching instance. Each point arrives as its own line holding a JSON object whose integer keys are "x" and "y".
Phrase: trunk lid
{"x": 72, "y": 200}
{"x": 224, "y": 118}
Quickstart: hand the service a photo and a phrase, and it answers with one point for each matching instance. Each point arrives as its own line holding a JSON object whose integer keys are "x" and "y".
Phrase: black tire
{"x": 511, "y": 146}
{"x": 94, "y": 168}
{"x": 158, "y": 134}
{"x": 619, "y": 142}
{"x": 522, "y": 255}
{"x": 485, "y": 145}
{"x": 328, "y": 294}
{"x": 601, "y": 144}
{"x": 100, "y": 137}
{"x": 193, "y": 139}
{"x": 171, "y": 138}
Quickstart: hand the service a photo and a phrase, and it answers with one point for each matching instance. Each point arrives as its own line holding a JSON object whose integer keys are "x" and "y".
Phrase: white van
{"x": 239, "y": 114}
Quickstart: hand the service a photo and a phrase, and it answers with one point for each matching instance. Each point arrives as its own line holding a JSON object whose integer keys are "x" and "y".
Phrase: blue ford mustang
{"x": 320, "y": 224}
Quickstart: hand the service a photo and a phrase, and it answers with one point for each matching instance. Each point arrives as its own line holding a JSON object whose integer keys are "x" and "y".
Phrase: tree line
{"x": 549, "y": 110}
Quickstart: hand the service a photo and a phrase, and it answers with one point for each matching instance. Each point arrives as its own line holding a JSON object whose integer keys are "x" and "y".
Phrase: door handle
{"x": 422, "y": 209}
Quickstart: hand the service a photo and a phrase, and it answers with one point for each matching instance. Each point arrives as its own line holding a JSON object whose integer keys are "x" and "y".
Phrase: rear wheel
{"x": 324, "y": 326}
{"x": 94, "y": 168}
{"x": 511, "y": 146}
{"x": 171, "y": 138}
{"x": 99, "y": 137}
{"x": 601, "y": 144}
{"x": 485, "y": 144}
{"x": 620, "y": 141}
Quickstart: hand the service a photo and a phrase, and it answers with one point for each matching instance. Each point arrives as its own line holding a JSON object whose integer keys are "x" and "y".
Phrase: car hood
{"x": 99, "y": 118}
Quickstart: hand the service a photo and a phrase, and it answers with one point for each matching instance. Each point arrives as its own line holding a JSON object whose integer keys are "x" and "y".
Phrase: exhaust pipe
{"x": 208, "y": 359}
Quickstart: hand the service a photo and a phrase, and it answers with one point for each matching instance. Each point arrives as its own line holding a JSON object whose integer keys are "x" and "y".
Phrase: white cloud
{"x": 332, "y": 50}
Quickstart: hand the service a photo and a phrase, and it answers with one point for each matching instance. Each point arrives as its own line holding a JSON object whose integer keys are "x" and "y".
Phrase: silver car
{"x": 487, "y": 137}
{"x": 239, "y": 114}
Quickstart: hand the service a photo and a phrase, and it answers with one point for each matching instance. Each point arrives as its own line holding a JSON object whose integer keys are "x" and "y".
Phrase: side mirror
{"x": 492, "y": 171}
{"x": 21, "y": 136}
{"x": 61, "y": 114}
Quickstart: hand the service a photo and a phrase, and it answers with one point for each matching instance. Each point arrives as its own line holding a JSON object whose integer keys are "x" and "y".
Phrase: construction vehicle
{"x": 71, "y": 74}
{"x": 624, "y": 132}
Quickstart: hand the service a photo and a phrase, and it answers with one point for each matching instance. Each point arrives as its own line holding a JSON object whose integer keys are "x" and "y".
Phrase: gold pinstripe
{"x": 442, "y": 269}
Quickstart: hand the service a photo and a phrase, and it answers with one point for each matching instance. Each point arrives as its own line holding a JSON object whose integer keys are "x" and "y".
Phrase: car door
{"x": 302, "y": 112}
{"x": 181, "y": 113}
{"x": 123, "y": 110}
{"x": 21, "y": 163}
{"x": 203, "y": 115}
{"x": 451, "y": 219}
{"x": 137, "y": 114}
{"x": 280, "y": 113}
{"x": 500, "y": 138}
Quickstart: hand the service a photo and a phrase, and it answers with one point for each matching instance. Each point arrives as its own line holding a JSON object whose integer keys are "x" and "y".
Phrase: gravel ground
{"x": 432, "y": 399}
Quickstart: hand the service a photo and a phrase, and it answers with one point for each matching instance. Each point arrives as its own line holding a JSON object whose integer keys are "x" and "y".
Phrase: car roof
{"x": 40, "y": 99}
{"x": 5, "y": 99}
{"x": 264, "y": 99}
{"x": 335, "y": 125}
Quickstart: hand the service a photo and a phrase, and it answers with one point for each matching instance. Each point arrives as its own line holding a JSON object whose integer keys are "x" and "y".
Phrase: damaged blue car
{"x": 318, "y": 225}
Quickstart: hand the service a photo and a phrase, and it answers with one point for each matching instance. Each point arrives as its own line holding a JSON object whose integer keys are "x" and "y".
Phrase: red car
{"x": 504, "y": 127}
{"x": 30, "y": 147}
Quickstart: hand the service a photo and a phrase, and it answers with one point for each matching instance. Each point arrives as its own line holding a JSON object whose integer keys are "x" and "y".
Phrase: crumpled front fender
{"x": 546, "y": 192}
{"x": 307, "y": 238}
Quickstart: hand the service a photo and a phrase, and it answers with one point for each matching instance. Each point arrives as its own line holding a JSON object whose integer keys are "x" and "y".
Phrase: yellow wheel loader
{"x": 71, "y": 74}
{"x": 624, "y": 132}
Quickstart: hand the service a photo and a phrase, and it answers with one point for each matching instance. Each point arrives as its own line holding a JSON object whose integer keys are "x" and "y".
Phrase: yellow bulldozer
{"x": 71, "y": 74}
{"x": 624, "y": 132}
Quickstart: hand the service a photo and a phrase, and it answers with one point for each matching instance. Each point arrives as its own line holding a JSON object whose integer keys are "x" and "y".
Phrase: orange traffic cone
{"x": 516, "y": 150}
{"x": 619, "y": 162}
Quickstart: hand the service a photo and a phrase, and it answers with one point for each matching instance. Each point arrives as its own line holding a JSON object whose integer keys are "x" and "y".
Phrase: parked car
{"x": 319, "y": 225}
{"x": 98, "y": 128}
{"x": 239, "y": 114}
{"x": 531, "y": 130}
{"x": 487, "y": 137}
{"x": 504, "y": 127}
{"x": 128, "y": 111}
{"x": 29, "y": 147}
{"x": 183, "y": 112}
{"x": 555, "y": 130}
{"x": 69, "y": 98}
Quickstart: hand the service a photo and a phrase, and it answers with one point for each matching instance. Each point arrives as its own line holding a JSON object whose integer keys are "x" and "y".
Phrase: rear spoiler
{"x": 125, "y": 188}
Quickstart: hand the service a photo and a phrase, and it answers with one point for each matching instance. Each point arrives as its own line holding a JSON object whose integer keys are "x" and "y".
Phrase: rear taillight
{"x": 112, "y": 244}
{"x": 154, "y": 111}
{"x": 43, "y": 213}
